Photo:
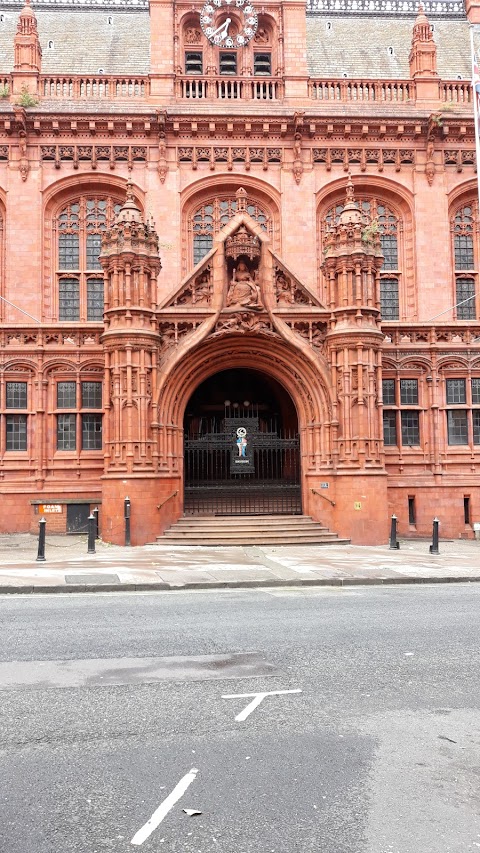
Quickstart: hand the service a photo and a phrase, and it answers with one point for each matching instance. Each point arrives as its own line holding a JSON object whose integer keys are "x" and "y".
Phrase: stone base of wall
{"x": 155, "y": 503}
{"x": 443, "y": 502}
{"x": 363, "y": 506}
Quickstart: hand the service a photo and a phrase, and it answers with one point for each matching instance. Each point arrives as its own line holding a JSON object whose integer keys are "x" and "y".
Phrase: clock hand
{"x": 224, "y": 27}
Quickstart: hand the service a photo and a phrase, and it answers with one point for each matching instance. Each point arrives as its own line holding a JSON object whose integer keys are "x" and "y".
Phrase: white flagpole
{"x": 475, "y": 80}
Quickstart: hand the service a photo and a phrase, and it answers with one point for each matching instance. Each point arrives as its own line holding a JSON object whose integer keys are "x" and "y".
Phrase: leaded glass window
{"x": 211, "y": 217}
{"x": 69, "y": 299}
{"x": 91, "y": 432}
{"x": 66, "y": 432}
{"x": 66, "y": 395}
{"x": 79, "y": 426}
{"x": 457, "y": 426}
{"x": 388, "y": 392}
{"x": 389, "y": 301}
{"x": 465, "y": 300}
{"x": 91, "y": 395}
{"x": 16, "y": 432}
{"x": 390, "y": 428}
{"x": 95, "y": 299}
{"x": 456, "y": 391}
{"x": 463, "y": 239}
{"x": 409, "y": 392}
{"x": 79, "y": 229}
{"x": 476, "y": 392}
{"x": 16, "y": 393}
{"x": 410, "y": 428}
{"x": 476, "y": 426}
{"x": 465, "y": 236}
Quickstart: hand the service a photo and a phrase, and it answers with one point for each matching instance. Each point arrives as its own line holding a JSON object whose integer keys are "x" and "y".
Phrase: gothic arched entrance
{"x": 241, "y": 447}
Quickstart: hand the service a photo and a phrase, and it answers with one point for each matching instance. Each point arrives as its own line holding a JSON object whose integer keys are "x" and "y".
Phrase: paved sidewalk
{"x": 68, "y": 567}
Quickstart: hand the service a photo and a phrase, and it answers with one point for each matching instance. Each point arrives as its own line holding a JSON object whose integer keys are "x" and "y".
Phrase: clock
{"x": 223, "y": 33}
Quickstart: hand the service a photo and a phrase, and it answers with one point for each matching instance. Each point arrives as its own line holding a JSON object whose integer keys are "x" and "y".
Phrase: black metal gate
{"x": 242, "y": 466}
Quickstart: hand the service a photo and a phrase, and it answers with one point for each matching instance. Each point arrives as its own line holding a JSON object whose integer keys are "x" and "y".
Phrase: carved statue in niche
{"x": 319, "y": 333}
{"x": 193, "y": 35}
{"x": 261, "y": 36}
{"x": 203, "y": 289}
{"x": 199, "y": 293}
{"x": 243, "y": 291}
{"x": 283, "y": 289}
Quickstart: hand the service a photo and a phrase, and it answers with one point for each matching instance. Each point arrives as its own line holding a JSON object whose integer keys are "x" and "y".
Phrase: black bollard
{"x": 434, "y": 545}
{"x": 126, "y": 513}
{"x": 95, "y": 513}
{"x": 91, "y": 534}
{"x": 394, "y": 544}
{"x": 41, "y": 540}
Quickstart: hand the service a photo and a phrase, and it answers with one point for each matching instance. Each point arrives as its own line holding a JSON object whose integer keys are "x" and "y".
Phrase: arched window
{"x": 463, "y": 227}
{"x": 79, "y": 226}
{"x": 389, "y": 226}
{"x": 208, "y": 219}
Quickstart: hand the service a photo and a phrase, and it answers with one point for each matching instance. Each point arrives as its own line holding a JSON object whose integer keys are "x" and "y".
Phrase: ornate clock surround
{"x": 229, "y": 23}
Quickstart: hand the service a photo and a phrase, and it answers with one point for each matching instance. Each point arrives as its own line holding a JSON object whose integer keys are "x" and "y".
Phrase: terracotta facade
{"x": 122, "y": 198}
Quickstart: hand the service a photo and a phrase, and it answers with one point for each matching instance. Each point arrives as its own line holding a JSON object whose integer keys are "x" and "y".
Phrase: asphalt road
{"x": 112, "y": 704}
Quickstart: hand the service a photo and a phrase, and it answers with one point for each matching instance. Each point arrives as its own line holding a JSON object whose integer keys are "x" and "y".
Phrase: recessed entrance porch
{"x": 241, "y": 447}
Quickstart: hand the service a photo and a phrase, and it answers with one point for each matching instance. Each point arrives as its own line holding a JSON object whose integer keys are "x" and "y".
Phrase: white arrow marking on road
{"x": 164, "y": 808}
{"x": 259, "y": 697}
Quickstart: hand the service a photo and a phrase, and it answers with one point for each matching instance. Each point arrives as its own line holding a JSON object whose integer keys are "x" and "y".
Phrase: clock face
{"x": 220, "y": 28}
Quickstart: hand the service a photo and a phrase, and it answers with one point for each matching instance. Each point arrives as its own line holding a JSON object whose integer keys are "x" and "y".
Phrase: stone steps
{"x": 249, "y": 530}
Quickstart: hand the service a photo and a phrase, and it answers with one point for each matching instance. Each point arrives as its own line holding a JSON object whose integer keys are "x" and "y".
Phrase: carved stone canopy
{"x": 242, "y": 243}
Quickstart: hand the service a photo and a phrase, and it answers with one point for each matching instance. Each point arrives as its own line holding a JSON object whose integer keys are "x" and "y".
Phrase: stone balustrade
{"x": 77, "y": 87}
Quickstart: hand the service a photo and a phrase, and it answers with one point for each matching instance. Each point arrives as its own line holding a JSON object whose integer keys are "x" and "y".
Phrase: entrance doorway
{"x": 241, "y": 447}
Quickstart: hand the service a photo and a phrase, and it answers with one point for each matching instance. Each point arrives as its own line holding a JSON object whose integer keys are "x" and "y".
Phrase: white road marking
{"x": 164, "y": 808}
{"x": 258, "y": 698}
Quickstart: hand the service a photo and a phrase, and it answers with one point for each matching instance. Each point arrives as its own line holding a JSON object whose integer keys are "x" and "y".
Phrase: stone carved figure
{"x": 202, "y": 289}
{"x": 283, "y": 289}
{"x": 193, "y": 35}
{"x": 243, "y": 291}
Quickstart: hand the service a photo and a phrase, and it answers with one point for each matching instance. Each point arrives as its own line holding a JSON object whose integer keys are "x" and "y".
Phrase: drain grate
{"x": 92, "y": 578}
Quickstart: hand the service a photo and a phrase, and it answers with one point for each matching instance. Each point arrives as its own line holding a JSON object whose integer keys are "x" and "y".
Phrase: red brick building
{"x": 283, "y": 316}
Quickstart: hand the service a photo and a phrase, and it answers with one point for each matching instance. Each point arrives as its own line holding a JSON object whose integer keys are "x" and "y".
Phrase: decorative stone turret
{"x": 353, "y": 259}
{"x": 27, "y": 53}
{"x": 131, "y": 264}
{"x": 423, "y": 59}
{"x": 423, "y": 53}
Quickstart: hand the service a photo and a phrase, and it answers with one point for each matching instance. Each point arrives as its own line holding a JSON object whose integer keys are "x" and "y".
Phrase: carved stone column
{"x": 131, "y": 264}
{"x": 353, "y": 259}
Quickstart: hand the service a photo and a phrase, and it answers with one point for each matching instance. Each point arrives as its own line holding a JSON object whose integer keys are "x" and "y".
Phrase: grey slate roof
{"x": 355, "y": 45}
{"x": 84, "y": 41}
{"x": 359, "y": 46}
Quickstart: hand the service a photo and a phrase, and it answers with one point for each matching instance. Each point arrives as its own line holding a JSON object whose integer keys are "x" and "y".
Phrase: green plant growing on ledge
{"x": 370, "y": 231}
{"x": 4, "y": 92}
{"x": 26, "y": 99}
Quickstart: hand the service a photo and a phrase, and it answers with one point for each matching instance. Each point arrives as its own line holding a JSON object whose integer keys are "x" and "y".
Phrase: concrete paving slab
{"x": 163, "y": 566}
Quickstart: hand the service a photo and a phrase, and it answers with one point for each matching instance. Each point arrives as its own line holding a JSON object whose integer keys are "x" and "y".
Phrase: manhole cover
{"x": 92, "y": 578}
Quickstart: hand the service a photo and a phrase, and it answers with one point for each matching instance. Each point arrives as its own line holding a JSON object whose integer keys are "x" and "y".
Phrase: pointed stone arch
{"x": 264, "y": 353}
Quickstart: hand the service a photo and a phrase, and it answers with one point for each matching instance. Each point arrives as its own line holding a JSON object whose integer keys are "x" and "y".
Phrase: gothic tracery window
{"x": 208, "y": 219}
{"x": 464, "y": 237}
{"x": 390, "y": 228}
{"x": 79, "y": 228}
